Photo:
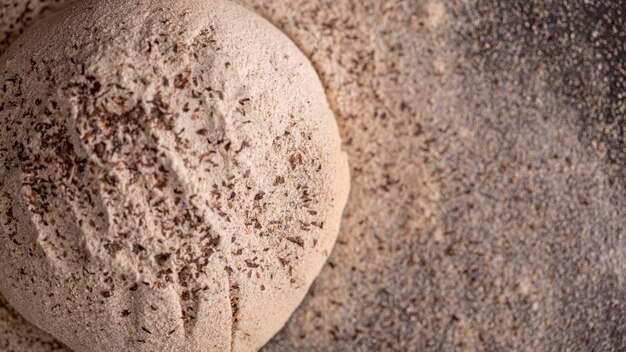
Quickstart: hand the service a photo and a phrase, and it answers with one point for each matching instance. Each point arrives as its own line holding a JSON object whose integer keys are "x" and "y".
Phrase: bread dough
{"x": 173, "y": 178}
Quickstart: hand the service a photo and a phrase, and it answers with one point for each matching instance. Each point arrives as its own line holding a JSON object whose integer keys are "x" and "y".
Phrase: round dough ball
{"x": 172, "y": 176}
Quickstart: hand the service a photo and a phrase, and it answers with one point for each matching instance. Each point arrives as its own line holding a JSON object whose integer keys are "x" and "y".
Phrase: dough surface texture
{"x": 17, "y": 15}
